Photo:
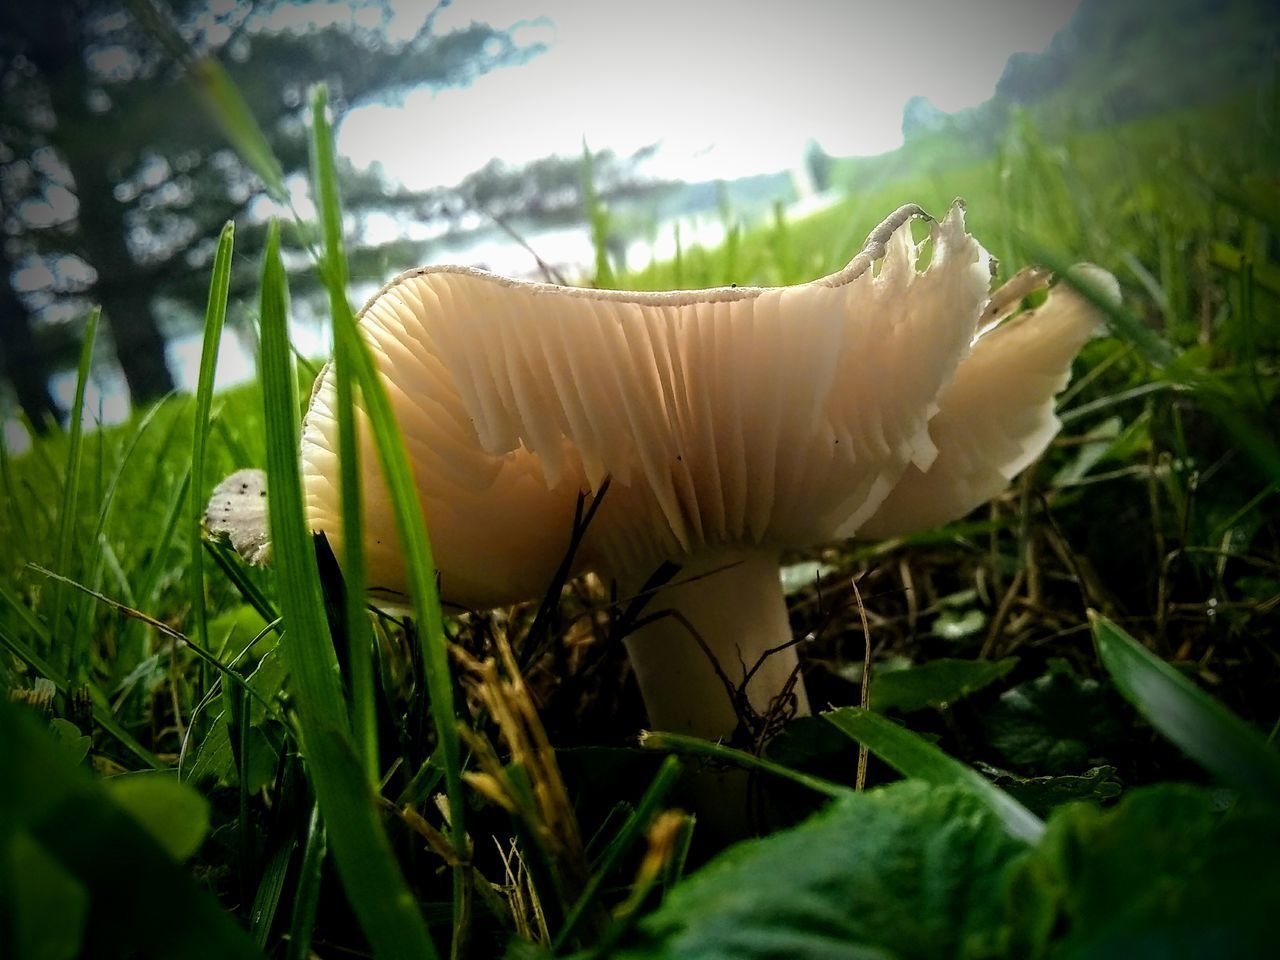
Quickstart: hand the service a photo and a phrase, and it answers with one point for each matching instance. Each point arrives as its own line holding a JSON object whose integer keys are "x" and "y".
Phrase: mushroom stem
{"x": 735, "y": 605}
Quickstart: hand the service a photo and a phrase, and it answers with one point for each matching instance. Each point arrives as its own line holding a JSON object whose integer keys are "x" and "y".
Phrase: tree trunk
{"x": 20, "y": 362}
{"x": 124, "y": 288}
{"x": 140, "y": 346}
{"x": 96, "y": 155}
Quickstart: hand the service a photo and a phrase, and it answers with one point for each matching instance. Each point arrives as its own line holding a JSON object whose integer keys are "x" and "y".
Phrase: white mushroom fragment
{"x": 730, "y": 423}
{"x": 238, "y": 511}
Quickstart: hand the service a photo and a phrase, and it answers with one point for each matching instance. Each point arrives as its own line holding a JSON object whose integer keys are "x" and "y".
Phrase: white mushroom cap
{"x": 730, "y": 424}
{"x": 997, "y": 416}
{"x": 732, "y": 418}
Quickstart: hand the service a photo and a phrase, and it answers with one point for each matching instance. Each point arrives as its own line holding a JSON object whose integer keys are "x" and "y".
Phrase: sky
{"x": 728, "y": 89}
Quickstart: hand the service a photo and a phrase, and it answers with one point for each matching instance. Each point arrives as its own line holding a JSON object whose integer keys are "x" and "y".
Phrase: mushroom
{"x": 730, "y": 424}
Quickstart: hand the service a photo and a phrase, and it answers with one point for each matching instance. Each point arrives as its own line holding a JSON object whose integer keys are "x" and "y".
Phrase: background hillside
{"x": 1112, "y": 62}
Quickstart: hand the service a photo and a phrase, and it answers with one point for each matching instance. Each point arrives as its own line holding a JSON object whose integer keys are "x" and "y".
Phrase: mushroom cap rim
{"x": 872, "y": 249}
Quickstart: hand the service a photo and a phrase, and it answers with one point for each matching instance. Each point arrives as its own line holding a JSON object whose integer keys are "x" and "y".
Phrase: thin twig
{"x": 550, "y": 273}
{"x": 865, "y": 695}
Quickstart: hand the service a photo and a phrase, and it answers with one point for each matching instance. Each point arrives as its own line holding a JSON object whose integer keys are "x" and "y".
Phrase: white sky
{"x": 729, "y": 89}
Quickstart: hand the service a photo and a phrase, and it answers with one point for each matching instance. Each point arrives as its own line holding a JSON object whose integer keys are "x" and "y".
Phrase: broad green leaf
{"x": 176, "y": 816}
{"x": 905, "y": 871}
{"x": 915, "y": 757}
{"x": 213, "y": 760}
{"x": 1042, "y": 794}
{"x": 1055, "y": 724}
{"x": 1210, "y": 734}
{"x": 935, "y": 684}
{"x": 140, "y": 901}
{"x": 69, "y": 735}
{"x": 1164, "y": 875}
{"x": 47, "y": 905}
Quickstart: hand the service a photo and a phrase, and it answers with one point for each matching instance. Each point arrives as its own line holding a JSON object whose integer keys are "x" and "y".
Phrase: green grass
{"x": 318, "y": 747}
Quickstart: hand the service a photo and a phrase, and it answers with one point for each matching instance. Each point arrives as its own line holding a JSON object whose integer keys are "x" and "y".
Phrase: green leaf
{"x": 1164, "y": 875}
{"x": 68, "y": 734}
{"x": 520, "y": 949}
{"x": 903, "y": 871}
{"x": 47, "y": 905}
{"x": 176, "y": 816}
{"x": 271, "y": 885}
{"x": 1099, "y": 441}
{"x": 935, "y": 684}
{"x": 1056, "y": 723}
{"x": 1227, "y": 257}
{"x": 681, "y": 743}
{"x": 213, "y": 759}
{"x": 140, "y": 901}
{"x": 915, "y": 757}
{"x": 1042, "y": 794}
{"x": 1210, "y": 734}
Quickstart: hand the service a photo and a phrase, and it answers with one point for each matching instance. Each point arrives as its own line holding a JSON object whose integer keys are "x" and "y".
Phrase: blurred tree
{"x": 552, "y": 189}
{"x": 818, "y": 164}
{"x": 18, "y": 359}
{"x": 116, "y": 182}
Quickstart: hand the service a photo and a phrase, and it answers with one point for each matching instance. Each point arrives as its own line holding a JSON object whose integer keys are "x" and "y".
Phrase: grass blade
{"x": 1210, "y": 734}
{"x": 307, "y": 896}
{"x": 915, "y": 757}
{"x": 76, "y": 668}
{"x": 1252, "y": 435}
{"x": 214, "y": 316}
{"x": 352, "y": 364}
{"x": 222, "y": 98}
{"x": 267, "y": 901}
{"x": 420, "y": 571}
{"x": 377, "y": 891}
{"x": 324, "y": 176}
{"x": 630, "y": 832}
{"x": 250, "y": 593}
{"x": 228, "y": 106}
{"x": 697, "y": 747}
